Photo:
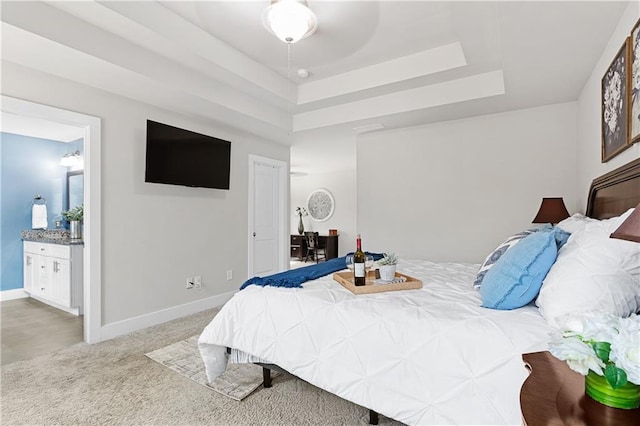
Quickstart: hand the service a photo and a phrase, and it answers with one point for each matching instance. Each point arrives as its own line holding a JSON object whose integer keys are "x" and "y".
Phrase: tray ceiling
{"x": 389, "y": 63}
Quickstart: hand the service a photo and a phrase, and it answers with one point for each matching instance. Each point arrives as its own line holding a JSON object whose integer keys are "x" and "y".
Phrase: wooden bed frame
{"x": 609, "y": 195}
{"x": 553, "y": 393}
{"x": 615, "y": 192}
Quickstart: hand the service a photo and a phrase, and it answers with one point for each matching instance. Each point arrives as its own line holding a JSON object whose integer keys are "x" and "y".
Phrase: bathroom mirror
{"x": 75, "y": 189}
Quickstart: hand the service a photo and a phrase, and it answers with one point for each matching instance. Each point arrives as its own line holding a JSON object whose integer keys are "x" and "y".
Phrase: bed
{"x": 428, "y": 356}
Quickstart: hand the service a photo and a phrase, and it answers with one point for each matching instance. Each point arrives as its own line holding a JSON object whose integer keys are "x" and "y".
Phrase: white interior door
{"x": 267, "y": 204}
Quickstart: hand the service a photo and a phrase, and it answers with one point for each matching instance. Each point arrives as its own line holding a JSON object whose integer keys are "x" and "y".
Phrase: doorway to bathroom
{"x": 38, "y": 184}
{"x": 89, "y": 194}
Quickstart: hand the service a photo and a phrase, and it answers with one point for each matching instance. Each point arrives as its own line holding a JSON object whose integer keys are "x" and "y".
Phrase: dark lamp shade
{"x": 552, "y": 210}
{"x": 630, "y": 228}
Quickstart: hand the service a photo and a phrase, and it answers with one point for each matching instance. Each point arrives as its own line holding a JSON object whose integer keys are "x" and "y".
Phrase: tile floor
{"x": 29, "y": 328}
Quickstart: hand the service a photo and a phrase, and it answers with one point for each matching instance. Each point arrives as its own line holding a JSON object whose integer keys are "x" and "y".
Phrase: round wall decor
{"x": 320, "y": 205}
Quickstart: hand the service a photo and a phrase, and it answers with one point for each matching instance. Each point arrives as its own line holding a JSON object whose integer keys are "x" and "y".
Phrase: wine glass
{"x": 368, "y": 263}
{"x": 349, "y": 262}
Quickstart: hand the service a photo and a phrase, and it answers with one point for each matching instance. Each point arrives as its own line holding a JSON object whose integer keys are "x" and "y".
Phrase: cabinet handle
{"x": 56, "y": 266}
{"x": 28, "y": 260}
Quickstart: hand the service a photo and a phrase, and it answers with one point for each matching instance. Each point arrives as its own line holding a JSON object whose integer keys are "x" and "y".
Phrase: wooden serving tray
{"x": 346, "y": 280}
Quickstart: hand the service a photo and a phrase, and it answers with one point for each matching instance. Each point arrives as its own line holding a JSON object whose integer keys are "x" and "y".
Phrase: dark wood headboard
{"x": 615, "y": 192}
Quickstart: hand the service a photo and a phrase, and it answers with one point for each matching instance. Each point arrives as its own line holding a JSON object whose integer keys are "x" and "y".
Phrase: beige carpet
{"x": 114, "y": 383}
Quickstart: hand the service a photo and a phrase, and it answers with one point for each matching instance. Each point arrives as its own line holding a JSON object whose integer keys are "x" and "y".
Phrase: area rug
{"x": 183, "y": 357}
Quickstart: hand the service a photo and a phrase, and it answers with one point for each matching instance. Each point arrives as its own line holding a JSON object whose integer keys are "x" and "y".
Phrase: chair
{"x": 314, "y": 251}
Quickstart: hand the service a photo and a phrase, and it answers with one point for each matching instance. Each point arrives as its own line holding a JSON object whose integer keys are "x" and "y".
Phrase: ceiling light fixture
{"x": 290, "y": 20}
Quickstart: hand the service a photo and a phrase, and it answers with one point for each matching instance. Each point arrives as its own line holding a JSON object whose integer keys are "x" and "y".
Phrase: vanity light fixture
{"x": 70, "y": 159}
{"x": 289, "y": 20}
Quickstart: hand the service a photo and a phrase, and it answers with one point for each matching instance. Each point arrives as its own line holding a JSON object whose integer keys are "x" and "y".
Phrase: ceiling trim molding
{"x": 449, "y": 92}
{"x": 204, "y": 52}
{"x": 420, "y": 64}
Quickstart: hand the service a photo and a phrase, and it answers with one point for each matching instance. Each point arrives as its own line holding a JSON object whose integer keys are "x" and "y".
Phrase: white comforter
{"x": 429, "y": 356}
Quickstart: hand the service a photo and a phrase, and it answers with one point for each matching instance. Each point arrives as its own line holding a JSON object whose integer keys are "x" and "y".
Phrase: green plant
{"x": 74, "y": 214}
{"x": 388, "y": 259}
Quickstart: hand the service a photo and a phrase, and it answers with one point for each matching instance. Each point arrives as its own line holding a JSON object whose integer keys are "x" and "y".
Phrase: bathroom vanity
{"x": 53, "y": 271}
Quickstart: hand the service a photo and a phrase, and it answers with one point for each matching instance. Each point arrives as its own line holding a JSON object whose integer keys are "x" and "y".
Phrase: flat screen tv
{"x": 181, "y": 157}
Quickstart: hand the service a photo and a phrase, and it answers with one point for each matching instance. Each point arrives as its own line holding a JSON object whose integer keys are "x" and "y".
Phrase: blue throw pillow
{"x": 515, "y": 279}
{"x": 493, "y": 257}
{"x": 561, "y": 236}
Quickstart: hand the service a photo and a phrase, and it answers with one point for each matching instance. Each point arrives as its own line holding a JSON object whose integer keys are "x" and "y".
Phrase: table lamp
{"x": 552, "y": 210}
{"x": 629, "y": 229}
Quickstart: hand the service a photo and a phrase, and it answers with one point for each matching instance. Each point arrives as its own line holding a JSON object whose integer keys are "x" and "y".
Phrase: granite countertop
{"x": 50, "y": 236}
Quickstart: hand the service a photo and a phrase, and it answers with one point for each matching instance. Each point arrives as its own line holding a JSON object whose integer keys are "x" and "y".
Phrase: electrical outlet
{"x": 190, "y": 283}
{"x": 197, "y": 281}
{"x": 229, "y": 274}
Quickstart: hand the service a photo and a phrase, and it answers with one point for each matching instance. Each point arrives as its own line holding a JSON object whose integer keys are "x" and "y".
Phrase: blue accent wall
{"x": 1, "y": 214}
{"x": 28, "y": 167}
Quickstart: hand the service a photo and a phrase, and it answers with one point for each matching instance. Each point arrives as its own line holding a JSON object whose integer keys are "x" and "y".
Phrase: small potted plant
{"x": 74, "y": 216}
{"x": 388, "y": 266}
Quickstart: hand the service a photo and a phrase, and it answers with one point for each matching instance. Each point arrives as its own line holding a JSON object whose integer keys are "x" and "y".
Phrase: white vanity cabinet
{"x": 53, "y": 274}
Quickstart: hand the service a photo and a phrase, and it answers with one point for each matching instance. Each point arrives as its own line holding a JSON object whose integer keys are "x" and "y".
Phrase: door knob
{"x": 254, "y": 234}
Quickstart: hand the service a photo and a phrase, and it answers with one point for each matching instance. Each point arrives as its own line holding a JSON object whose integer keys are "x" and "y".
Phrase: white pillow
{"x": 593, "y": 273}
{"x": 575, "y": 223}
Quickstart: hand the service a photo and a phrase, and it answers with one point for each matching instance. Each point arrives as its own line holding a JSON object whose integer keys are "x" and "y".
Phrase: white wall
{"x": 589, "y": 114}
{"x": 452, "y": 191}
{"x": 154, "y": 236}
{"x": 341, "y": 184}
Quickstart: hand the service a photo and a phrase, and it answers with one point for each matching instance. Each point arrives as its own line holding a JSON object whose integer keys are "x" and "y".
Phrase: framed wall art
{"x": 320, "y": 205}
{"x": 615, "y": 126}
{"x": 634, "y": 86}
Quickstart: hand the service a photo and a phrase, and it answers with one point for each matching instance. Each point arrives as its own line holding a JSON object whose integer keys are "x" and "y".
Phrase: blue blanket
{"x": 295, "y": 277}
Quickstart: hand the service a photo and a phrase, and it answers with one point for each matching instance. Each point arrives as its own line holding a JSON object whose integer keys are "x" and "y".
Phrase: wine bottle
{"x": 358, "y": 263}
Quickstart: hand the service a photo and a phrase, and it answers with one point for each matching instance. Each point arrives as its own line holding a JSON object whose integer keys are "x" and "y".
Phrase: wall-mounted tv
{"x": 181, "y": 157}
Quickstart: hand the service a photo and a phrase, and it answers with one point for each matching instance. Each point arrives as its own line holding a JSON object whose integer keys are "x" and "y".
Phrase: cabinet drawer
{"x": 57, "y": 250}
{"x": 36, "y": 248}
{"x": 296, "y": 251}
{"x": 54, "y": 250}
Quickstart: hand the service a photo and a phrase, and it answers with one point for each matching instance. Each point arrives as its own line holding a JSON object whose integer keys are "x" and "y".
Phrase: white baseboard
{"x": 16, "y": 293}
{"x": 123, "y": 327}
{"x": 73, "y": 311}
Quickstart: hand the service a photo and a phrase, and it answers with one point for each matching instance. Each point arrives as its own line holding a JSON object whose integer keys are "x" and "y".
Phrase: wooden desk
{"x": 299, "y": 245}
{"x": 553, "y": 394}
